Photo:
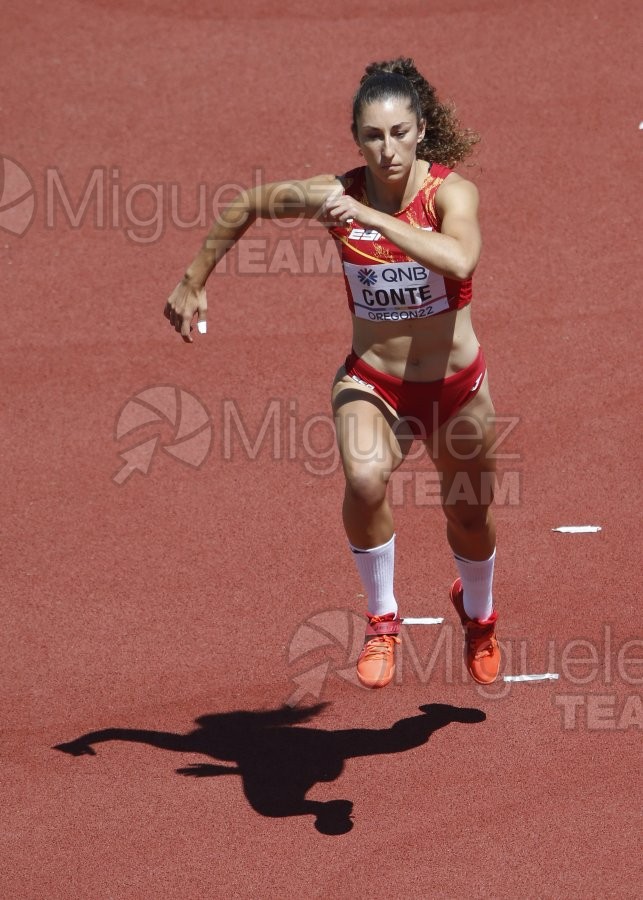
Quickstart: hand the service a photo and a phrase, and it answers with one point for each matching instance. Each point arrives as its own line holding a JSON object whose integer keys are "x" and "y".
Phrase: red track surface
{"x": 178, "y": 594}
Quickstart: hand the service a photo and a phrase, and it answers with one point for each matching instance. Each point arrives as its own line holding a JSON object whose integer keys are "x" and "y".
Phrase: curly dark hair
{"x": 445, "y": 140}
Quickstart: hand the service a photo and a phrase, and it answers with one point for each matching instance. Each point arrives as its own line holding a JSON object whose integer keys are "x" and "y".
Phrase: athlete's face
{"x": 387, "y": 132}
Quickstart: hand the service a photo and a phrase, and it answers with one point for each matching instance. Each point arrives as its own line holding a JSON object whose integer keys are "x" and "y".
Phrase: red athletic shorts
{"x": 426, "y": 405}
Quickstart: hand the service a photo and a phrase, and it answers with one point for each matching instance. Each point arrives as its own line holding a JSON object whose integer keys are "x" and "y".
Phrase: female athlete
{"x": 406, "y": 226}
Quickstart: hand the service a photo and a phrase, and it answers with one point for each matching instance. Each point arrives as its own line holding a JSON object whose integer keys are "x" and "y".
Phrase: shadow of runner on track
{"x": 280, "y": 763}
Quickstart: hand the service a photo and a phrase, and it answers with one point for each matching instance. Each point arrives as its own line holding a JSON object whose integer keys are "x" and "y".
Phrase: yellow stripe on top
{"x": 377, "y": 259}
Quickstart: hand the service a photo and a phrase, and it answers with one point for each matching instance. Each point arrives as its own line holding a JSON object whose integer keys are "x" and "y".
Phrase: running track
{"x": 185, "y": 592}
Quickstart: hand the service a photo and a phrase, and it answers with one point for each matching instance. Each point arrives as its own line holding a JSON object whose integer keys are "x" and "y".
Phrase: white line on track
{"x": 546, "y": 676}
{"x": 577, "y": 529}
{"x": 427, "y": 620}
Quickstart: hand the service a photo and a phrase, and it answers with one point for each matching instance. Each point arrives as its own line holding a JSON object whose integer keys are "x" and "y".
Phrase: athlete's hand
{"x": 342, "y": 209}
{"x": 185, "y": 300}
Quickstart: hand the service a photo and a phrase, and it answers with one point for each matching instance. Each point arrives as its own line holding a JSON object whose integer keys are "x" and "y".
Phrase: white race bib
{"x": 395, "y": 292}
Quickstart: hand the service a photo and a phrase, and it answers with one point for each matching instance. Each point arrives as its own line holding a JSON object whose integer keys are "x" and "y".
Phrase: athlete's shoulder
{"x": 436, "y": 175}
{"x": 456, "y": 190}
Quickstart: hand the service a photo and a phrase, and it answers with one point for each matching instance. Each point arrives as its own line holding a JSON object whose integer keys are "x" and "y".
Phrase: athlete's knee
{"x": 366, "y": 483}
{"x": 470, "y": 519}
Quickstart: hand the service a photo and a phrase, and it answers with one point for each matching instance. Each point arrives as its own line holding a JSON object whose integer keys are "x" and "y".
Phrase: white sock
{"x": 477, "y": 579}
{"x": 375, "y": 567}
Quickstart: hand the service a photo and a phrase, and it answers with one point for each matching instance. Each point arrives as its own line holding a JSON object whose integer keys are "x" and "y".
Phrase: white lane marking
{"x": 427, "y": 620}
{"x": 577, "y": 529}
{"x": 546, "y": 676}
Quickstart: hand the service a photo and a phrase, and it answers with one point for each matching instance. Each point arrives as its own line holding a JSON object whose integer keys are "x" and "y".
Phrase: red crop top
{"x": 383, "y": 283}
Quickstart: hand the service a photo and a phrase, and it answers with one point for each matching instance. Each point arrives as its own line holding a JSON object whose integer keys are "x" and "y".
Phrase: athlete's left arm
{"x": 453, "y": 251}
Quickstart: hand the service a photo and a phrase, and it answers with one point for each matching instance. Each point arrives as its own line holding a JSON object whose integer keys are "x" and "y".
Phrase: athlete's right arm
{"x": 278, "y": 200}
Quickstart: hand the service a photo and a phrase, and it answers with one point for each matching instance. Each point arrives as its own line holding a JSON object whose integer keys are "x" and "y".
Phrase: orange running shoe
{"x": 376, "y": 663}
{"x": 482, "y": 652}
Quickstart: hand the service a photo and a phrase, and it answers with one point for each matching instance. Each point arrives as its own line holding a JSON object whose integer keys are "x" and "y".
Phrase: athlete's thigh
{"x": 462, "y": 452}
{"x": 369, "y": 431}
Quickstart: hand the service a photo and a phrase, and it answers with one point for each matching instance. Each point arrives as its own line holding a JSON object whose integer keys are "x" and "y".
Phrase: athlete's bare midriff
{"x": 418, "y": 350}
